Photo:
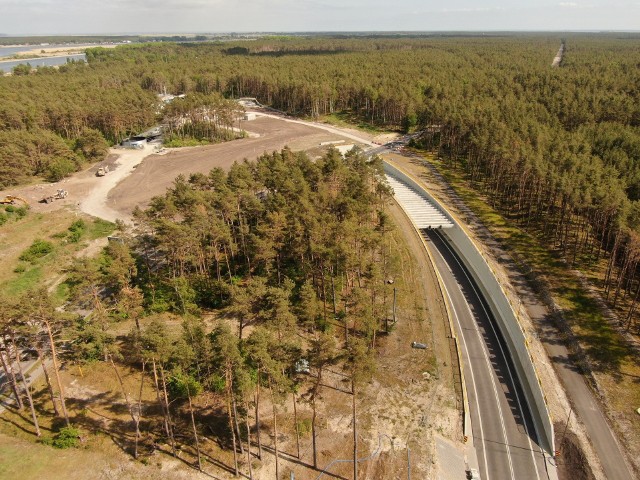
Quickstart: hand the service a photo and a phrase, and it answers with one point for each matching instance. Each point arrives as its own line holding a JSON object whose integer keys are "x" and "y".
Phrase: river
{"x": 7, "y": 66}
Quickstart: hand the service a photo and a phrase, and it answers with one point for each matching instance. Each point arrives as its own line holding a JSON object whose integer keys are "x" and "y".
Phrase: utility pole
{"x": 564, "y": 432}
{"x": 394, "y": 304}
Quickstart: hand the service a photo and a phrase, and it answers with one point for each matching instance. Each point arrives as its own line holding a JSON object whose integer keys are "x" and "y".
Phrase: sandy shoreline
{"x": 31, "y": 59}
{"x": 51, "y": 52}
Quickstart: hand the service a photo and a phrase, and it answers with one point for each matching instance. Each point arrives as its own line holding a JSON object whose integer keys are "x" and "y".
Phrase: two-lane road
{"x": 503, "y": 432}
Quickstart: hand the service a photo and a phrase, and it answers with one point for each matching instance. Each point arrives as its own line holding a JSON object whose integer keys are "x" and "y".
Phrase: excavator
{"x": 12, "y": 200}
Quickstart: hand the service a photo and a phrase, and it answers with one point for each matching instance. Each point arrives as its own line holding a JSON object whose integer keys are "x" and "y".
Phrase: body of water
{"x": 8, "y": 51}
{"x": 41, "y": 62}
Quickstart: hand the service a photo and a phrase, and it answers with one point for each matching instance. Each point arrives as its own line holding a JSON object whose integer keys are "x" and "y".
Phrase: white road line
{"x": 473, "y": 379}
{"x": 493, "y": 383}
{"x": 515, "y": 390}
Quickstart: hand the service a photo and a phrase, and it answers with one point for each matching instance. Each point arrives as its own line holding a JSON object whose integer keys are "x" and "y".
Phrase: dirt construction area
{"x": 157, "y": 172}
{"x": 136, "y": 176}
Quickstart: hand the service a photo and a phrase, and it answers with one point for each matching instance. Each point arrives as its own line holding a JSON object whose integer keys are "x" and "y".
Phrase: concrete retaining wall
{"x": 502, "y": 311}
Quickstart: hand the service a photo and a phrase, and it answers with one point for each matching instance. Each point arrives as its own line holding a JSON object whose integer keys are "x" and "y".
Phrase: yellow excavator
{"x": 12, "y": 200}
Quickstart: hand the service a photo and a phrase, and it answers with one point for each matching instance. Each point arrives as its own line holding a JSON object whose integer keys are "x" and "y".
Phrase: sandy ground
{"x": 95, "y": 202}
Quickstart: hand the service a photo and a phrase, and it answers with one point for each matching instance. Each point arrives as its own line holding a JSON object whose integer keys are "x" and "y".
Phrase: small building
{"x": 343, "y": 149}
{"x": 134, "y": 142}
{"x": 248, "y": 116}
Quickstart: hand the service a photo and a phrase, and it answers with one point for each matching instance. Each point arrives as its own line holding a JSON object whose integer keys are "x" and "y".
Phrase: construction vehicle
{"x": 102, "y": 171}
{"x": 59, "y": 195}
{"x": 12, "y": 200}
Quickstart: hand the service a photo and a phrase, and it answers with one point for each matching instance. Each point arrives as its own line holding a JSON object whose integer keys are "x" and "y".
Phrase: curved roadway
{"x": 503, "y": 433}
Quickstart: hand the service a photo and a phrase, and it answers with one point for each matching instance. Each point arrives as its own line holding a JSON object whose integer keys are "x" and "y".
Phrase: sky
{"x": 33, "y": 17}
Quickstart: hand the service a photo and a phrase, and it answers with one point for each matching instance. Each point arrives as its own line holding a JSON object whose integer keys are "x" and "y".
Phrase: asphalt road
{"x": 503, "y": 431}
{"x": 585, "y": 405}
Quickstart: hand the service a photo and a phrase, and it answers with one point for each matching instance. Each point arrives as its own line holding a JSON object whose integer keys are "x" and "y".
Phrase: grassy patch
{"x": 349, "y": 120}
{"x": 27, "y": 280}
{"x": 185, "y": 142}
{"x": 61, "y": 293}
{"x": 99, "y": 228}
{"x": 61, "y": 235}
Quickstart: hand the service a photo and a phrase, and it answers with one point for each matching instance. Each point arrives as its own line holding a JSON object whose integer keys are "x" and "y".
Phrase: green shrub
{"x": 217, "y": 383}
{"x": 181, "y": 385}
{"x": 12, "y": 211}
{"x": 76, "y": 230}
{"x": 77, "y": 225}
{"x": 67, "y": 437}
{"x": 59, "y": 168}
{"x": 304, "y": 427}
{"x": 38, "y": 249}
{"x": 19, "y": 269}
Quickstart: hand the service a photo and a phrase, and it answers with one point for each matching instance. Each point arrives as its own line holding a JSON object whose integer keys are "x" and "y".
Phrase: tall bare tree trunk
{"x": 26, "y": 386}
{"x": 160, "y": 401}
{"x": 235, "y": 421}
{"x": 355, "y": 432}
{"x": 295, "y": 423}
{"x": 333, "y": 294}
{"x": 313, "y": 432}
{"x": 275, "y": 430}
{"x": 195, "y": 431}
{"x": 128, "y": 402}
{"x": 231, "y": 425}
{"x": 166, "y": 406}
{"x": 258, "y": 416}
{"x": 48, "y": 380}
{"x": 139, "y": 413}
{"x": 8, "y": 371}
{"x": 246, "y": 419}
{"x": 56, "y": 370}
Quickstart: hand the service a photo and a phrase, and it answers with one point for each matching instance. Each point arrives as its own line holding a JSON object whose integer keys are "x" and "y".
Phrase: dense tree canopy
{"x": 547, "y": 141}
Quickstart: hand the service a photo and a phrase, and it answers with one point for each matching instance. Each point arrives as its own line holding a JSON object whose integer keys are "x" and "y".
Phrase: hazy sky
{"x": 167, "y": 16}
